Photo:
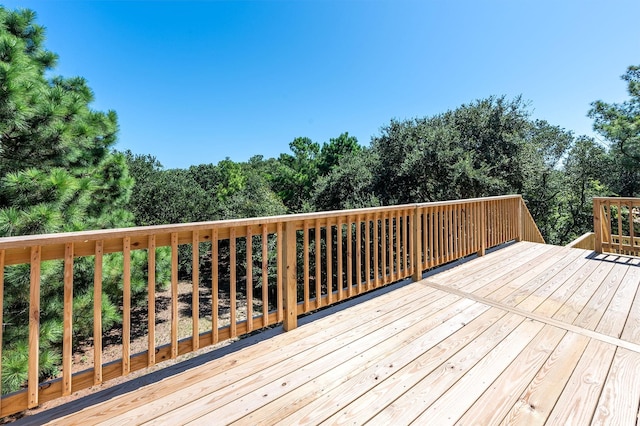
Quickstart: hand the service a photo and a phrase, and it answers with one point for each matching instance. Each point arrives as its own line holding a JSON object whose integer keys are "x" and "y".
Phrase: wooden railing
{"x": 271, "y": 270}
{"x": 586, "y": 241}
{"x": 616, "y": 223}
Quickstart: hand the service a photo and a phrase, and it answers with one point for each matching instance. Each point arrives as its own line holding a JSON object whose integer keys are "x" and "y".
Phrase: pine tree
{"x": 58, "y": 172}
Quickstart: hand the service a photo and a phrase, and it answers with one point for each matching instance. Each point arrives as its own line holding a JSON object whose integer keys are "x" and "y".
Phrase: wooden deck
{"x": 528, "y": 334}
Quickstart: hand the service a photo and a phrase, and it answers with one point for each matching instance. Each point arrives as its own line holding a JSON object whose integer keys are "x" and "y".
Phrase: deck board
{"x": 527, "y": 334}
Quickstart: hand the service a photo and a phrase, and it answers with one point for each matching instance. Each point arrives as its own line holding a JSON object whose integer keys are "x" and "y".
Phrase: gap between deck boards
{"x": 532, "y": 315}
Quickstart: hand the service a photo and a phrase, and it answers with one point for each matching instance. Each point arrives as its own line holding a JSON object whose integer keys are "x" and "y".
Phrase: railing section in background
{"x": 616, "y": 223}
{"x": 586, "y": 241}
{"x": 245, "y": 275}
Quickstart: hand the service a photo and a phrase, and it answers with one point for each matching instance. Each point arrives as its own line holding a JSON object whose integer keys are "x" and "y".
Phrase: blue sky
{"x": 195, "y": 82}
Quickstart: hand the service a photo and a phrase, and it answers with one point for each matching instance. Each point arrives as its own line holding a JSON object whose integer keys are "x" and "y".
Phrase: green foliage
{"x": 57, "y": 173}
{"x": 545, "y": 186}
{"x": 620, "y": 125}
{"x": 348, "y": 185}
{"x": 331, "y": 153}
{"x": 296, "y": 174}
{"x": 491, "y": 147}
{"x": 586, "y": 163}
{"x": 472, "y": 151}
{"x": 169, "y": 196}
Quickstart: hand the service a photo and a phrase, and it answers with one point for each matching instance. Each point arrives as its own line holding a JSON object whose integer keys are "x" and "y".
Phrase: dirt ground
{"x": 112, "y": 342}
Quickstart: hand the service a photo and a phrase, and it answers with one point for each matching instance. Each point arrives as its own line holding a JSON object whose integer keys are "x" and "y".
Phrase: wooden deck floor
{"x": 528, "y": 334}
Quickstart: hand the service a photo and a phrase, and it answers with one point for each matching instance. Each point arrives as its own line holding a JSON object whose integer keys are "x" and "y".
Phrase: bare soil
{"x": 112, "y": 341}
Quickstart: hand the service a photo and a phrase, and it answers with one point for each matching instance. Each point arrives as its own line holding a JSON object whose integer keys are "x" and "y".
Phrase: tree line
{"x": 488, "y": 147}
{"x": 60, "y": 171}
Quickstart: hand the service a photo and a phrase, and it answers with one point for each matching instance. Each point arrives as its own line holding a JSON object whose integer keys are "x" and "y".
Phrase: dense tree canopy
{"x": 620, "y": 125}
{"x": 57, "y": 173}
{"x": 56, "y": 166}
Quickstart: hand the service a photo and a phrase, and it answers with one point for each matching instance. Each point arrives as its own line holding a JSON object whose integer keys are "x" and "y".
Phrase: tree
{"x": 331, "y": 153}
{"x": 472, "y": 151}
{"x": 57, "y": 173}
{"x": 349, "y": 184}
{"x": 295, "y": 175}
{"x": 620, "y": 125}
{"x": 166, "y": 196}
{"x": 545, "y": 183}
{"x": 586, "y": 164}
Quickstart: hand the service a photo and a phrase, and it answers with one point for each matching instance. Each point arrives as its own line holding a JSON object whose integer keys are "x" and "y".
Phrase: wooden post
{"x": 67, "y": 309}
{"x": 520, "y": 220}
{"x": 289, "y": 278}
{"x": 1, "y": 315}
{"x": 417, "y": 246}
{"x": 97, "y": 314}
{"x": 34, "y": 329}
{"x": 126, "y": 306}
{"x": 174, "y": 295}
{"x": 597, "y": 225}
{"x": 195, "y": 291}
{"x": 482, "y": 231}
{"x": 151, "y": 301}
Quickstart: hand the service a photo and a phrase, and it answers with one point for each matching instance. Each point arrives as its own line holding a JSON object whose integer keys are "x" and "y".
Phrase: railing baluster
{"x": 318, "y": 268}
{"x": 505, "y": 223}
{"x": 631, "y": 230}
{"x": 214, "y": 286}
{"x": 415, "y": 241}
{"x": 425, "y": 244}
{"x": 425, "y": 239}
{"x": 339, "y": 258}
{"x": 97, "y": 313}
{"x": 609, "y": 227}
{"x": 358, "y": 248}
{"x": 232, "y": 283}
{"x": 410, "y": 233}
{"x": 349, "y": 242}
{"x": 463, "y": 229}
{"x": 1, "y": 316}
{"x": 367, "y": 250}
{"x": 398, "y": 240}
{"x": 402, "y": 255}
{"x": 386, "y": 249}
{"x": 305, "y": 265}
{"x": 440, "y": 233}
{"x": 195, "y": 292}
{"x": 249, "y": 278}
{"x": 265, "y": 276}
{"x": 280, "y": 249}
{"x": 174, "y": 294}
{"x": 151, "y": 300}
{"x": 329, "y": 244}
{"x": 444, "y": 247}
{"x": 289, "y": 278}
{"x": 393, "y": 246}
{"x": 34, "y": 328}
{"x": 376, "y": 250}
{"x": 619, "y": 205}
{"x": 457, "y": 243}
{"x": 597, "y": 225}
{"x": 450, "y": 234}
{"x": 126, "y": 306}
{"x": 406, "y": 246}
{"x": 482, "y": 229}
{"x": 67, "y": 339}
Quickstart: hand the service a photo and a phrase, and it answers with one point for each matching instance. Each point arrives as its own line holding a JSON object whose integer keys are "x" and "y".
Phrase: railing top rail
{"x": 620, "y": 199}
{"x": 103, "y": 234}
